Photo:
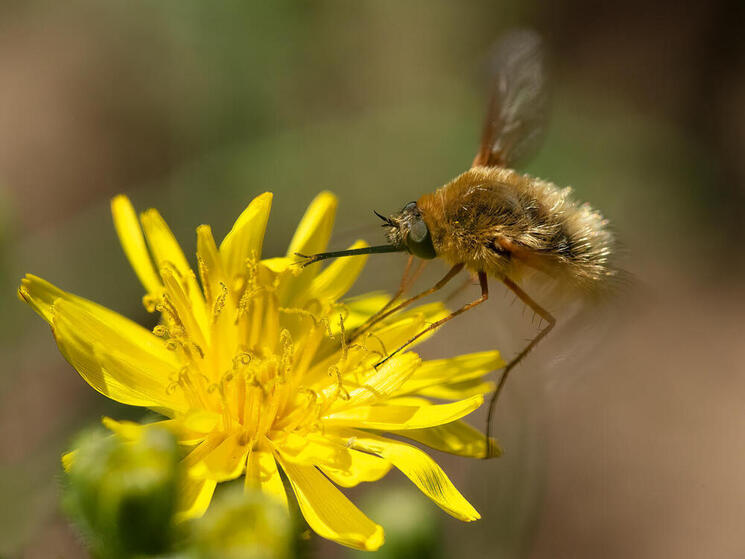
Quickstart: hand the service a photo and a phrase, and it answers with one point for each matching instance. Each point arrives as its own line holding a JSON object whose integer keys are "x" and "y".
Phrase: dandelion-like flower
{"x": 254, "y": 367}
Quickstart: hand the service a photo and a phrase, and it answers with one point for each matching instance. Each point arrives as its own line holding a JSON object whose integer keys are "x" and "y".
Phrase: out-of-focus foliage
{"x": 412, "y": 530}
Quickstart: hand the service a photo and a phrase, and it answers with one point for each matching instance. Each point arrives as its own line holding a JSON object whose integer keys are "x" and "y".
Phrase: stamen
{"x": 301, "y": 415}
{"x": 310, "y": 392}
{"x": 252, "y": 266}
{"x": 300, "y": 312}
{"x": 167, "y": 309}
{"x": 220, "y": 302}
{"x": 379, "y": 340}
{"x": 287, "y": 355}
{"x": 245, "y": 301}
{"x": 204, "y": 279}
{"x": 343, "y": 337}
{"x": 243, "y": 359}
{"x": 340, "y": 390}
{"x": 150, "y": 302}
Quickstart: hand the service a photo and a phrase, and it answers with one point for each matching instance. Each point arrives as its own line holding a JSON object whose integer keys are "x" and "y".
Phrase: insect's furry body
{"x": 499, "y": 221}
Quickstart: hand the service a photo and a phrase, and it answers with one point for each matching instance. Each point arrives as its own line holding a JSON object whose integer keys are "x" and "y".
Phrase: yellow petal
{"x": 409, "y": 401}
{"x": 225, "y": 462}
{"x": 68, "y": 459}
{"x": 328, "y": 512}
{"x": 337, "y": 278}
{"x": 128, "y": 430}
{"x": 310, "y": 237}
{"x": 195, "y": 494}
{"x": 211, "y": 267}
{"x": 188, "y": 306}
{"x": 398, "y": 329}
{"x": 169, "y": 256}
{"x": 382, "y": 341}
{"x": 201, "y": 421}
{"x": 457, "y": 390}
{"x": 452, "y": 370}
{"x": 132, "y": 431}
{"x": 362, "y": 467}
{"x": 279, "y": 264}
{"x": 314, "y": 230}
{"x": 262, "y": 472}
{"x": 363, "y": 307}
{"x": 314, "y": 450}
{"x": 163, "y": 244}
{"x": 419, "y": 468}
{"x": 382, "y": 383}
{"x": 127, "y": 365}
{"x": 130, "y": 236}
{"x": 386, "y": 417}
{"x": 246, "y": 238}
{"x": 367, "y": 304}
{"x": 40, "y": 295}
{"x": 457, "y": 438}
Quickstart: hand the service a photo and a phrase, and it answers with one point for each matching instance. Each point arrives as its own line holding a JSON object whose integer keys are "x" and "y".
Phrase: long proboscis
{"x": 312, "y": 259}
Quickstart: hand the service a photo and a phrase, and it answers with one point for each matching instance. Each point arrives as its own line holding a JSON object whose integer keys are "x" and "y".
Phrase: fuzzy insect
{"x": 496, "y": 222}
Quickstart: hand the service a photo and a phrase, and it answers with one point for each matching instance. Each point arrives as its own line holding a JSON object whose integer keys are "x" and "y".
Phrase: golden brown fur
{"x": 498, "y": 221}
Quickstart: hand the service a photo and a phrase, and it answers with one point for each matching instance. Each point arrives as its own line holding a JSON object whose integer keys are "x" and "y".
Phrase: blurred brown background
{"x": 624, "y": 433}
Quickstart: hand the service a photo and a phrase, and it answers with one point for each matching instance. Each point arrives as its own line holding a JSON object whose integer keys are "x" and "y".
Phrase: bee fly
{"x": 495, "y": 222}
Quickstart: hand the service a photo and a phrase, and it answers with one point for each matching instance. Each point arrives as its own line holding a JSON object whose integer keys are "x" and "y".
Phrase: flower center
{"x": 264, "y": 376}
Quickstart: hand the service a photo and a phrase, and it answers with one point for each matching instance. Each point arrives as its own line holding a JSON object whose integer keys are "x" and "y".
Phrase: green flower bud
{"x": 122, "y": 494}
{"x": 243, "y": 525}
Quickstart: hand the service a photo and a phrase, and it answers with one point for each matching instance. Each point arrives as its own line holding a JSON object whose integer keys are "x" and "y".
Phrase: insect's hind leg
{"x": 551, "y": 322}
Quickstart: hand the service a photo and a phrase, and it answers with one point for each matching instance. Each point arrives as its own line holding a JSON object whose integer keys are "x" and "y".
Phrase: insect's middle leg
{"x": 407, "y": 280}
{"x": 545, "y": 315}
{"x": 464, "y": 308}
{"x": 382, "y": 315}
{"x": 460, "y": 289}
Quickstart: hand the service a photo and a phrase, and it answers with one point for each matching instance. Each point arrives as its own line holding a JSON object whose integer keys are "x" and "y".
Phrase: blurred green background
{"x": 624, "y": 433}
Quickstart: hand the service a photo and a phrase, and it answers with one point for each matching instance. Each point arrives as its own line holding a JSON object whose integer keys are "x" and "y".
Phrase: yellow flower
{"x": 250, "y": 365}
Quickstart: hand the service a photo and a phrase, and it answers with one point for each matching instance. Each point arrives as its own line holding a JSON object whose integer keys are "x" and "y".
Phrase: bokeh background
{"x": 624, "y": 433}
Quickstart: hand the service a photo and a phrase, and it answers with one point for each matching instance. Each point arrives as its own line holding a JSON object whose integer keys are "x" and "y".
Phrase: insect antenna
{"x": 387, "y": 221}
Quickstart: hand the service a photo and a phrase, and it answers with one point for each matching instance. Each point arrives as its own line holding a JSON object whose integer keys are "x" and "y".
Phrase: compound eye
{"x": 419, "y": 241}
{"x": 408, "y": 207}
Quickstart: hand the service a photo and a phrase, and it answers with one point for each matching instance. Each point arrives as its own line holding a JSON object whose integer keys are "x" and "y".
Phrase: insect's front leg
{"x": 406, "y": 281}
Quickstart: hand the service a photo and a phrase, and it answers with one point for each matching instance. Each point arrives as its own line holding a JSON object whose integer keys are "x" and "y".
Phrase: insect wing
{"x": 517, "y": 108}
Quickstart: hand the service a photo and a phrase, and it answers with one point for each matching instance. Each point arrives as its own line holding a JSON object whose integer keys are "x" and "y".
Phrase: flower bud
{"x": 122, "y": 493}
{"x": 243, "y": 525}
